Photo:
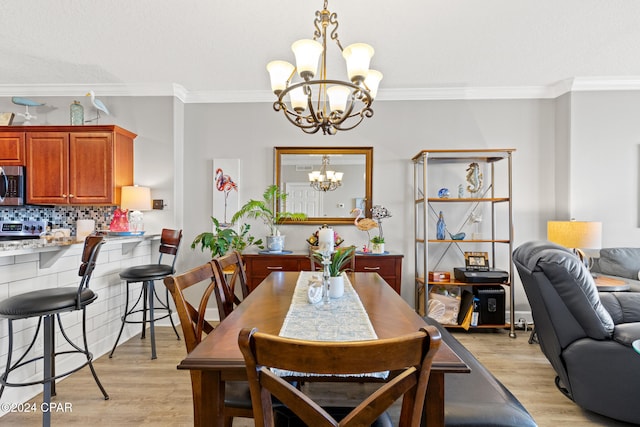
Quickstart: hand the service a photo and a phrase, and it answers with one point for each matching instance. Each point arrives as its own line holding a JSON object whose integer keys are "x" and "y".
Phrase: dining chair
{"x": 148, "y": 274}
{"x": 348, "y": 264}
{"x": 229, "y": 270}
{"x": 46, "y": 305}
{"x": 407, "y": 359}
{"x": 194, "y": 326}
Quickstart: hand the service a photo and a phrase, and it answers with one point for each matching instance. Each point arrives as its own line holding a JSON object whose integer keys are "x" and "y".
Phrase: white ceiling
{"x": 222, "y": 46}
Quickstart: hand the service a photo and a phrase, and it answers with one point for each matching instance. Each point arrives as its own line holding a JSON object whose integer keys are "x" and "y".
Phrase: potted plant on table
{"x": 267, "y": 210}
{"x": 340, "y": 261}
{"x": 223, "y": 239}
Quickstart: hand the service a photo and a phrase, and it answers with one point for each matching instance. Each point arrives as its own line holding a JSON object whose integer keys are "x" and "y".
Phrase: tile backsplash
{"x": 60, "y": 216}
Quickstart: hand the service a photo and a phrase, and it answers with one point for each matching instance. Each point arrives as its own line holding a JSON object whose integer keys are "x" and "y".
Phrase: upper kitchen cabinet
{"x": 77, "y": 165}
{"x": 12, "y": 148}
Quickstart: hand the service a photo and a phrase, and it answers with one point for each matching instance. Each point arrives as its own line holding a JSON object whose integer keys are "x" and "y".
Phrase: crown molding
{"x": 577, "y": 84}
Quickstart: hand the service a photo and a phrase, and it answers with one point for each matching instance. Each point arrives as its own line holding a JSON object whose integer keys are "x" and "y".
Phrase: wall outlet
{"x": 158, "y": 204}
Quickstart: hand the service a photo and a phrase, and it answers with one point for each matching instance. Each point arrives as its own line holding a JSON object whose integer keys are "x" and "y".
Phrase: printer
{"x": 477, "y": 270}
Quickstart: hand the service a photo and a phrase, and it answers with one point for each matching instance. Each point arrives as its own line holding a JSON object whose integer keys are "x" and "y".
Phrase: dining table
{"x": 218, "y": 358}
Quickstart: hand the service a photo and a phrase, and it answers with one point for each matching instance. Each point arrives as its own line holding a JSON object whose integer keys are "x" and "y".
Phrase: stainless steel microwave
{"x": 12, "y": 186}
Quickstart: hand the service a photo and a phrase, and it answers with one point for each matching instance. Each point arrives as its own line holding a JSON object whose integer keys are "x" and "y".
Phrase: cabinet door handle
{"x": 372, "y": 268}
{"x": 274, "y": 268}
{"x": 64, "y": 195}
{"x": 71, "y": 195}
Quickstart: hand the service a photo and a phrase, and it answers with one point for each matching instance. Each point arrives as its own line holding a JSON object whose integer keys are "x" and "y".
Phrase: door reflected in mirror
{"x": 325, "y": 183}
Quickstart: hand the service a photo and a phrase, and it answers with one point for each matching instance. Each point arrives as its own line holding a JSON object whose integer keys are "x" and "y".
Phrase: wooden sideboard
{"x": 258, "y": 266}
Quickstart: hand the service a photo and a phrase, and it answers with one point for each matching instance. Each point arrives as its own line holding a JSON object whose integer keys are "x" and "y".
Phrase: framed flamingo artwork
{"x": 226, "y": 189}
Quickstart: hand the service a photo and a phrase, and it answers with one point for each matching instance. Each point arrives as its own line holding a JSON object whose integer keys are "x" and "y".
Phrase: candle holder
{"x": 326, "y": 251}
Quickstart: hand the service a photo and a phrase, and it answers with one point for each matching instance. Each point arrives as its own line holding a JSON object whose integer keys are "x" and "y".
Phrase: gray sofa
{"x": 478, "y": 399}
{"x": 585, "y": 335}
{"x": 619, "y": 263}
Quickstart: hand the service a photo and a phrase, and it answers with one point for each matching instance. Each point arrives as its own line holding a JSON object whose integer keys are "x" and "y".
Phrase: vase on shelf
{"x": 441, "y": 227}
{"x": 377, "y": 248}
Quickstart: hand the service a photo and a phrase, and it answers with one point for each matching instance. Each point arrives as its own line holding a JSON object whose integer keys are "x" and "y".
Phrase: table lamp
{"x": 576, "y": 235}
{"x": 135, "y": 199}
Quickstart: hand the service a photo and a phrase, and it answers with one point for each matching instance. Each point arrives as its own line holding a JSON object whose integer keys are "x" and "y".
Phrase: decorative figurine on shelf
{"x": 474, "y": 178}
{"x": 443, "y": 193}
{"x": 441, "y": 227}
{"x": 476, "y": 219}
{"x": 26, "y": 102}
{"x": 460, "y": 191}
{"x": 458, "y": 236}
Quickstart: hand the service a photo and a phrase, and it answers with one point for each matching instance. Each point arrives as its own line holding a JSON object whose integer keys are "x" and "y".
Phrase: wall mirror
{"x": 293, "y": 166}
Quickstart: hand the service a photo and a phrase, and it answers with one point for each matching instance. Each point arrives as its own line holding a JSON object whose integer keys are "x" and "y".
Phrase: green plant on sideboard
{"x": 265, "y": 210}
{"x": 222, "y": 240}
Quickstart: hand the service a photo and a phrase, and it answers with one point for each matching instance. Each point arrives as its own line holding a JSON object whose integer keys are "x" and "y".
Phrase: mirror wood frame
{"x": 365, "y": 151}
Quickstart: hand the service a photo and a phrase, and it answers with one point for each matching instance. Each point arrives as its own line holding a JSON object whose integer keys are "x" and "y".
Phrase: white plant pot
{"x": 275, "y": 243}
{"x": 336, "y": 286}
{"x": 377, "y": 248}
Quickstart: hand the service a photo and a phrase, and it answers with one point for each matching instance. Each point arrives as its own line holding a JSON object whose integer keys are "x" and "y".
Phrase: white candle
{"x": 325, "y": 238}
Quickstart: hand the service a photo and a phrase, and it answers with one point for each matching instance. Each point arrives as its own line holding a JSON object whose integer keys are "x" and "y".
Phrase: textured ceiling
{"x": 224, "y": 45}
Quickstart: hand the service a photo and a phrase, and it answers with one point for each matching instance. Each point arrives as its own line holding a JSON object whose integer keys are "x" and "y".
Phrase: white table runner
{"x": 344, "y": 319}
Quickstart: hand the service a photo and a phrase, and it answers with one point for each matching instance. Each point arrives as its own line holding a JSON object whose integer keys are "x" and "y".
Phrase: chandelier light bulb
{"x": 358, "y": 57}
{"x": 372, "y": 82}
{"x": 279, "y": 73}
{"x": 307, "y": 53}
{"x": 298, "y": 99}
{"x": 338, "y": 96}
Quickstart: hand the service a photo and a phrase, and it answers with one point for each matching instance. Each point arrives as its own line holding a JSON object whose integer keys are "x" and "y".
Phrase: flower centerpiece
{"x": 313, "y": 239}
{"x": 378, "y": 213}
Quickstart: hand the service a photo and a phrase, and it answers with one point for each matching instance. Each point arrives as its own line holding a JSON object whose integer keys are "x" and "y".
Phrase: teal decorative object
{"x": 443, "y": 193}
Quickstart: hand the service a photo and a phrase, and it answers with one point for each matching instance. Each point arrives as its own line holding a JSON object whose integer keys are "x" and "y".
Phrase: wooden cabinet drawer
{"x": 384, "y": 267}
{"x": 265, "y": 266}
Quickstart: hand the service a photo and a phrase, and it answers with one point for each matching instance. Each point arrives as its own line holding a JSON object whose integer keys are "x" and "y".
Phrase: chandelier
{"x": 324, "y": 180}
{"x": 330, "y": 105}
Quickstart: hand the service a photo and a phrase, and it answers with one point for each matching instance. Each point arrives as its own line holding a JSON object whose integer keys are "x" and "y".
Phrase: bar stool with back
{"x": 147, "y": 274}
{"x": 48, "y": 304}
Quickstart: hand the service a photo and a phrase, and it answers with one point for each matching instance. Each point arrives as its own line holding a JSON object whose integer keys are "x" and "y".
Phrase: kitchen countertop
{"x": 44, "y": 245}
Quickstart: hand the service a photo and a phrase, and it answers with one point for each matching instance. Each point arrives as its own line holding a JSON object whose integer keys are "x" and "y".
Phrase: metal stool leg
{"x": 49, "y": 362}
{"x": 145, "y": 297}
{"x": 90, "y": 355}
{"x": 151, "y": 291}
{"x": 124, "y": 320}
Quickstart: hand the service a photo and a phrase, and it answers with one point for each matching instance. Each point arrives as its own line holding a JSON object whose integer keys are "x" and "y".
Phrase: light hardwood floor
{"x": 154, "y": 392}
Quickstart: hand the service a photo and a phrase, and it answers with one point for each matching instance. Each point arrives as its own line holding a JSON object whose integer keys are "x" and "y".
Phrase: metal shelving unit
{"x": 430, "y": 252}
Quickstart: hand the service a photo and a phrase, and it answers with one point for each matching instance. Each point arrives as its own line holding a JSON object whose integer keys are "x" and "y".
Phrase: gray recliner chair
{"x": 585, "y": 335}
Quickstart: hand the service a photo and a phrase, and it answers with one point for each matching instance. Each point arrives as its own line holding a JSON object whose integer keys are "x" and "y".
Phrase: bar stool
{"x": 47, "y": 304}
{"x": 147, "y": 274}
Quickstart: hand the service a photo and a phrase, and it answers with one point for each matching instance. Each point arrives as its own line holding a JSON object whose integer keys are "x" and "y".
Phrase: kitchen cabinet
{"x": 433, "y": 170}
{"x": 259, "y": 266}
{"x": 77, "y": 165}
{"x": 12, "y": 149}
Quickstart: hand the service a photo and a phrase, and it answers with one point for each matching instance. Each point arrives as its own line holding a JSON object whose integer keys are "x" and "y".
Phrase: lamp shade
{"x": 135, "y": 198}
{"x": 307, "y": 53}
{"x": 358, "y": 57}
{"x": 279, "y": 73}
{"x": 575, "y": 234}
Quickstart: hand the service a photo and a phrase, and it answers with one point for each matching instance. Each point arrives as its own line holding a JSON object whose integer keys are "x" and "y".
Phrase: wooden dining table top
{"x": 267, "y": 306}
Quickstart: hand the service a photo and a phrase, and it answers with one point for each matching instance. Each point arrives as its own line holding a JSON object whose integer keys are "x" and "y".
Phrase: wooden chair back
{"x": 407, "y": 358}
{"x": 229, "y": 271}
{"x": 192, "y": 319}
{"x": 169, "y": 245}
{"x": 194, "y": 326}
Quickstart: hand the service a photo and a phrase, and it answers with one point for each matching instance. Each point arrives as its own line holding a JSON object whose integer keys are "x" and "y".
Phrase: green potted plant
{"x": 340, "y": 260}
{"x": 267, "y": 210}
{"x": 377, "y": 245}
{"x": 225, "y": 239}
